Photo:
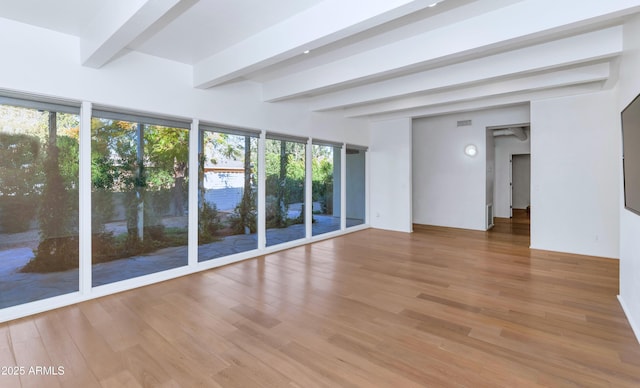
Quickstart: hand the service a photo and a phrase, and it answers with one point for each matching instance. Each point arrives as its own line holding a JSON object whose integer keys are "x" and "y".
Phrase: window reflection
{"x": 285, "y": 191}
{"x": 356, "y": 195}
{"x": 39, "y": 246}
{"x": 325, "y": 167}
{"x": 139, "y": 198}
{"x": 227, "y": 197}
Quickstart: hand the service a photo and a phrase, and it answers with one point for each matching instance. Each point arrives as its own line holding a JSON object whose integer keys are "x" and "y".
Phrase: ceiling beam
{"x": 580, "y": 75}
{"x": 325, "y": 23}
{"x": 592, "y": 46}
{"x": 118, "y": 25}
{"x": 500, "y": 101}
{"x": 503, "y": 29}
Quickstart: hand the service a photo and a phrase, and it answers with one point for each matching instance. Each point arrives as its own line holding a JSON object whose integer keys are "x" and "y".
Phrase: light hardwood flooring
{"x": 439, "y": 307}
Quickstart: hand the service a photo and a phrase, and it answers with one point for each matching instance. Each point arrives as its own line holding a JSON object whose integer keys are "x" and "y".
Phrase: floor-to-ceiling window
{"x": 356, "y": 185}
{"x": 38, "y": 200}
{"x": 139, "y": 197}
{"x": 136, "y": 176}
{"x": 325, "y": 171}
{"x": 285, "y": 188}
{"x": 227, "y": 192}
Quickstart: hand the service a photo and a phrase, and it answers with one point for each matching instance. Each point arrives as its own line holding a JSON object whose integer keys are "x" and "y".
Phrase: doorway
{"x": 520, "y": 185}
{"x": 518, "y": 226}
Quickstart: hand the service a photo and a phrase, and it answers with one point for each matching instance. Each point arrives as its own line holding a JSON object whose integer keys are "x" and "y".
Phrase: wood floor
{"x": 439, "y": 307}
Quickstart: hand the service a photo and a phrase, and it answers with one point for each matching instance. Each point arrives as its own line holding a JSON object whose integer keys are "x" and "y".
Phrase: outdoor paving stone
{"x": 18, "y": 288}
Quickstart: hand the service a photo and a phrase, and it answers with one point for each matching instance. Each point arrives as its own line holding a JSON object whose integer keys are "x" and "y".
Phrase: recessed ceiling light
{"x": 306, "y": 51}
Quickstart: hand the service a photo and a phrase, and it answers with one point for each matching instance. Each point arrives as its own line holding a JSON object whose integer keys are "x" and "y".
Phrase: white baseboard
{"x": 634, "y": 326}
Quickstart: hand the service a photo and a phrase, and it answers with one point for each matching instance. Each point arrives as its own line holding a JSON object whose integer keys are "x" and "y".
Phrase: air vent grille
{"x": 489, "y": 214}
{"x": 464, "y": 123}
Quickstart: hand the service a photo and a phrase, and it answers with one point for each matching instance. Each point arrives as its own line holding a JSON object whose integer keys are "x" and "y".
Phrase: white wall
{"x": 449, "y": 188}
{"x": 575, "y": 157}
{"x": 629, "y": 87}
{"x": 47, "y": 63}
{"x": 337, "y": 182}
{"x": 505, "y": 147}
{"x": 356, "y": 186}
{"x": 521, "y": 180}
{"x": 390, "y": 185}
{"x": 491, "y": 168}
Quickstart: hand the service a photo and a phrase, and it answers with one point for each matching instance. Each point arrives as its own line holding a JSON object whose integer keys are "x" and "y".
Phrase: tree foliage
{"x": 168, "y": 156}
{"x": 141, "y": 171}
{"x": 117, "y": 167}
{"x": 20, "y": 156}
{"x": 58, "y": 213}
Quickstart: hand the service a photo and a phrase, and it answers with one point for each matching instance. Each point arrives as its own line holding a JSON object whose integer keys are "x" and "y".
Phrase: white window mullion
{"x": 194, "y": 168}
{"x": 262, "y": 181}
{"x": 84, "y": 192}
{"x": 343, "y": 188}
{"x": 308, "y": 192}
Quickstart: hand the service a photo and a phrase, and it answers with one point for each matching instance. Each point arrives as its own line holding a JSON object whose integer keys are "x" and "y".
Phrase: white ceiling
{"x": 66, "y": 16}
{"x": 368, "y": 57}
{"x": 210, "y": 26}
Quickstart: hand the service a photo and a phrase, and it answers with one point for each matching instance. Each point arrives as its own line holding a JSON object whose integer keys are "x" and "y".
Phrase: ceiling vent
{"x": 464, "y": 123}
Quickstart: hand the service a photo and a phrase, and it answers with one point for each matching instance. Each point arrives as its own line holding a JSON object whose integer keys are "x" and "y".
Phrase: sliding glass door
{"x": 285, "y": 189}
{"x": 39, "y": 249}
{"x": 227, "y": 192}
{"x": 139, "y": 198}
{"x": 325, "y": 169}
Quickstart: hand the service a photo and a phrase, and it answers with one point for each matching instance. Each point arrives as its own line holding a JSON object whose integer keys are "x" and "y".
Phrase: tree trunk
{"x": 135, "y": 216}
{"x": 282, "y": 208}
{"x": 54, "y": 195}
{"x": 245, "y": 206}
{"x": 54, "y": 246}
{"x": 179, "y": 173}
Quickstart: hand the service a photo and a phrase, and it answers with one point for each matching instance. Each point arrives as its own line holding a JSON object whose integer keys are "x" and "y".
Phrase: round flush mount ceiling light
{"x": 470, "y": 150}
